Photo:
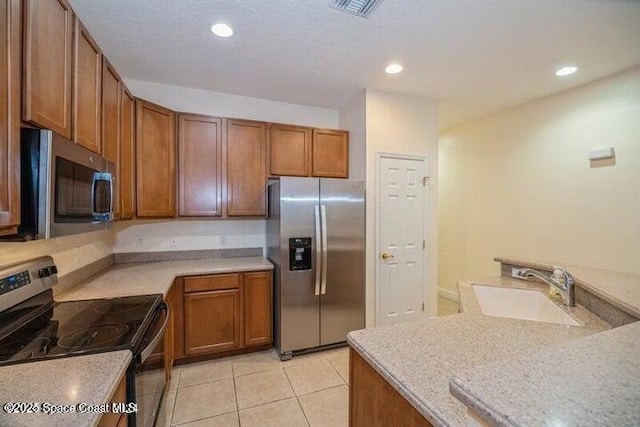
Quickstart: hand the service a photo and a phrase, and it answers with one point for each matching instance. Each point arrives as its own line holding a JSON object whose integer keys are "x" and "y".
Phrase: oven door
{"x": 146, "y": 380}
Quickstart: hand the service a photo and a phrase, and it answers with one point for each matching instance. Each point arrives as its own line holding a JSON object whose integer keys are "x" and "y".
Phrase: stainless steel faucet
{"x": 560, "y": 280}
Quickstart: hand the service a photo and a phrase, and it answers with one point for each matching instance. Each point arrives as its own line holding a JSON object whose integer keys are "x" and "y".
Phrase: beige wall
{"x": 199, "y": 101}
{"x": 519, "y": 183}
{"x": 185, "y": 234}
{"x": 69, "y": 253}
{"x": 404, "y": 125}
{"x": 352, "y": 118}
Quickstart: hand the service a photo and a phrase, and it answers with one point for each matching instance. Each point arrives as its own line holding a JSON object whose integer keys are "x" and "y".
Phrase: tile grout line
{"x": 235, "y": 394}
{"x": 200, "y": 419}
{"x": 304, "y": 414}
{"x": 173, "y": 408}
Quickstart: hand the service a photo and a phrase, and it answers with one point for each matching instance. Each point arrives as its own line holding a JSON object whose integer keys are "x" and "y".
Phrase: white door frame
{"x": 425, "y": 224}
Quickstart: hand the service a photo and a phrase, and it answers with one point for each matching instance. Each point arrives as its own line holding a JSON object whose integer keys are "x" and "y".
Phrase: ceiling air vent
{"x": 362, "y": 8}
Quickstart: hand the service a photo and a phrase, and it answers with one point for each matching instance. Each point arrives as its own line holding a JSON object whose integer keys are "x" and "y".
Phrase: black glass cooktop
{"x": 79, "y": 327}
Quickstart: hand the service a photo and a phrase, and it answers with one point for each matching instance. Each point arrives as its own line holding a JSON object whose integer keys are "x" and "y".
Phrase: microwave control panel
{"x": 299, "y": 253}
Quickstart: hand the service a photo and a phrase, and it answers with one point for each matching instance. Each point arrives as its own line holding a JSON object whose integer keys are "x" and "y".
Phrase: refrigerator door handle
{"x": 324, "y": 250}
{"x": 318, "y": 250}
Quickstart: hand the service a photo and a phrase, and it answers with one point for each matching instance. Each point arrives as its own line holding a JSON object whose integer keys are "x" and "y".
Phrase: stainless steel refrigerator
{"x": 316, "y": 241}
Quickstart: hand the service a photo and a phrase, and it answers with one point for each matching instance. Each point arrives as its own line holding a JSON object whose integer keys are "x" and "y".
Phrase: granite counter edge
{"x": 430, "y": 414}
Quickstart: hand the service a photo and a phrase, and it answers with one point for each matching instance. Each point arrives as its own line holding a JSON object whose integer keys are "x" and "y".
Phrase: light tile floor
{"x": 257, "y": 389}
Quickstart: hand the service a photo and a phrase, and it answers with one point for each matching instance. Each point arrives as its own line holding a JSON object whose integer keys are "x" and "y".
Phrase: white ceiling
{"x": 474, "y": 56}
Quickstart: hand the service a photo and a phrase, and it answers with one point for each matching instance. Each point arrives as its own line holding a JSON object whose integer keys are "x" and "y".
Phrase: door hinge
{"x": 423, "y": 245}
{"x": 423, "y": 307}
{"x": 424, "y": 181}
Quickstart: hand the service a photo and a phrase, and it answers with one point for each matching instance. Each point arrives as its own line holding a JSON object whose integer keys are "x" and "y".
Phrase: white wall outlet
{"x": 223, "y": 240}
{"x": 139, "y": 242}
{"x": 172, "y": 241}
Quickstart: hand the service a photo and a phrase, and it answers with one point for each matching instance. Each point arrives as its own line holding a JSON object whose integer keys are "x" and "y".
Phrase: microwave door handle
{"x": 110, "y": 197}
{"x": 101, "y": 176}
{"x": 94, "y": 185}
{"x": 144, "y": 355}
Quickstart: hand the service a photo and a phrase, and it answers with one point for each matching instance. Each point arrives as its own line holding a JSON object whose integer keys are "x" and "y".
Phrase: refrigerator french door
{"x": 315, "y": 239}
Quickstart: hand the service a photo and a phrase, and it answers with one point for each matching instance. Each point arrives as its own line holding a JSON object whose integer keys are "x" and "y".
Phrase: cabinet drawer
{"x": 211, "y": 283}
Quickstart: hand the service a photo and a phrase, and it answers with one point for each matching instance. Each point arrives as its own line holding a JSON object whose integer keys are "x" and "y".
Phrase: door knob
{"x": 385, "y": 256}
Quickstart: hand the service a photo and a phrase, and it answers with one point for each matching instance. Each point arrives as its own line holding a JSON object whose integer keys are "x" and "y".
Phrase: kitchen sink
{"x": 522, "y": 304}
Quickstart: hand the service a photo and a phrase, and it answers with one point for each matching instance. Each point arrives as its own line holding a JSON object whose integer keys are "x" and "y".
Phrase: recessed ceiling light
{"x": 565, "y": 71}
{"x": 222, "y": 30}
{"x": 393, "y": 69}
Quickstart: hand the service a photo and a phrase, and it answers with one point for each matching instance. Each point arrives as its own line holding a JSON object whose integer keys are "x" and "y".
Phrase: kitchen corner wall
{"x": 404, "y": 125}
{"x": 519, "y": 183}
{"x": 69, "y": 253}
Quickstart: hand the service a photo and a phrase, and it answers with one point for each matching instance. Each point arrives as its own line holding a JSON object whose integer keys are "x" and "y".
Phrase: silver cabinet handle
{"x": 318, "y": 250}
{"x": 324, "y": 251}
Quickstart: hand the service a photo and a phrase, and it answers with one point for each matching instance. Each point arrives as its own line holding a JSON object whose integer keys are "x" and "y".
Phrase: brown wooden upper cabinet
{"x": 289, "y": 150}
{"x": 111, "y": 126}
{"x": 10, "y": 41}
{"x": 47, "y": 56}
{"x": 330, "y": 156}
{"x": 110, "y": 113}
{"x": 199, "y": 165}
{"x": 127, "y": 169}
{"x": 87, "y": 87}
{"x": 246, "y": 168}
{"x": 155, "y": 160}
{"x": 302, "y": 151}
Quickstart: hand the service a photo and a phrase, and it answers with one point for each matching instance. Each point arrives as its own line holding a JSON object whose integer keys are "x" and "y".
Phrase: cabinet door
{"x": 127, "y": 155}
{"x": 47, "y": 64}
{"x": 87, "y": 85}
{"x": 211, "y": 321}
{"x": 330, "y": 153}
{"x": 289, "y": 150}
{"x": 155, "y": 160}
{"x": 258, "y": 316}
{"x": 246, "y": 168}
{"x": 110, "y": 113}
{"x": 111, "y": 127}
{"x": 199, "y": 165}
{"x": 10, "y": 38}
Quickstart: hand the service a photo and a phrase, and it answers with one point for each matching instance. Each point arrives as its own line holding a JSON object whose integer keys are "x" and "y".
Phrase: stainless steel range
{"x": 34, "y": 327}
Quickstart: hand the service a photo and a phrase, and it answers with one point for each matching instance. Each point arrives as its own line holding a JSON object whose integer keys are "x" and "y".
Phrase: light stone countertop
{"x": 90, "y": 379}
{"x": 594, "y": 381}
{"x": 620, "y": 289}
{"x": 155, "y": 277}
{"x": 418, "y": 359}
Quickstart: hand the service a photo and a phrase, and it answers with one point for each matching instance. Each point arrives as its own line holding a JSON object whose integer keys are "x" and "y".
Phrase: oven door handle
{"x": 144, "y": 355}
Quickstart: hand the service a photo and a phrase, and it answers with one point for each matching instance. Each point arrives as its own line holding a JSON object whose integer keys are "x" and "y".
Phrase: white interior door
{"x": 401, "y": 239}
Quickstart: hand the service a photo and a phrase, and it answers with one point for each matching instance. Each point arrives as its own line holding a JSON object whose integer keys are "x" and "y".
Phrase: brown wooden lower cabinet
{"x": 219, "y": 313}
{"x": 374, "y": 402}
{"x": 114, "y": 419}
{"x": 258, "y": 318}
{"x": 211, "y": 321}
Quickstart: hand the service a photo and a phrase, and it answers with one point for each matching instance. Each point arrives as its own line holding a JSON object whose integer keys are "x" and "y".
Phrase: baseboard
{"x": 446, "y": 293}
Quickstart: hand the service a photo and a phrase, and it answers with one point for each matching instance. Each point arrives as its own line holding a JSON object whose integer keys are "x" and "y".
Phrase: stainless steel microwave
{"x": 65, "y": 188}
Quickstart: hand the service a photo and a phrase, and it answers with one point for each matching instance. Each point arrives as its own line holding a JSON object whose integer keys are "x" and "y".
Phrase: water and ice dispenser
{"x": 299, "y": 253}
